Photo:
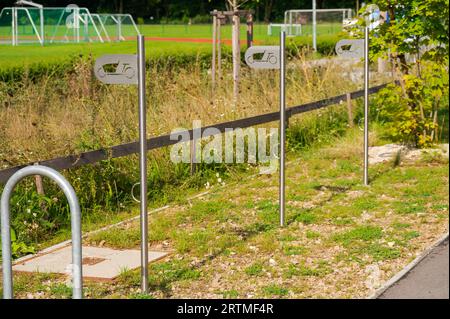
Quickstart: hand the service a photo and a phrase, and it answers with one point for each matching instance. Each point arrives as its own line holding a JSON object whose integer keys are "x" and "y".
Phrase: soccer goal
{"x": 119, "y": 26}
{"x": 73, "y": 25}
{"x": 29, "y": 22}
{"x": 328, "y": 21}
{"x": 24, "y": 25}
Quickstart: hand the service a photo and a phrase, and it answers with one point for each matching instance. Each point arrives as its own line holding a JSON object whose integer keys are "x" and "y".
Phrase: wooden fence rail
{"x": 91, "y": 157}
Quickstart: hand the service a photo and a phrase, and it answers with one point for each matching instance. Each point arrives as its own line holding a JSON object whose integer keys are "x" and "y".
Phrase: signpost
{"x": 130, "y": 69}
{"x": 125, "y": 72}
{"x": 314, "y": 24}
{"x": 352, "y": 49}
{"x": 366, "y": 106}
{"x": 274, "y": 57}
{"x": 356, "y": 49}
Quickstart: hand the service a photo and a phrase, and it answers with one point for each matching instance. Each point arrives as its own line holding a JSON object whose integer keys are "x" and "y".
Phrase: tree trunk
{"x": 236, "y": 56}
{"x": 268, "y": 10}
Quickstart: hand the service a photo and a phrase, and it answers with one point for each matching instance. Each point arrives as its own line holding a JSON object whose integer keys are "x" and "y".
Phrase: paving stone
{"x": 98, "y": 263}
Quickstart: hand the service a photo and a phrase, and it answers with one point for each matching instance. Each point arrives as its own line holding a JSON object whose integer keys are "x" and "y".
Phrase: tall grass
{"x": 65, "y": 115}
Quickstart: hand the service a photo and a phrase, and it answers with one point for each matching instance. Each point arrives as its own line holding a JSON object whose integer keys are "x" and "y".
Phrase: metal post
{"x": 42, "y": 26}
{"x": 314, "y": 25}
{"x": 290, "y": 22}
{"x": 75, "y": 215}
{"x": 15, "y": 40}
{"x": 143, "y": 162}
{"x": 77, "y": 24}
{"x": 119, "y": 29}
{"x": 366, "y": 106}
{"x": 86, "y": 28}
{"x": 282, "y": 124}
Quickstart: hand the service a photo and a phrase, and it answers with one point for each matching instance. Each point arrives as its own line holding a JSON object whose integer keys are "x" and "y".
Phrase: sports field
{"x": 161, "y": 39}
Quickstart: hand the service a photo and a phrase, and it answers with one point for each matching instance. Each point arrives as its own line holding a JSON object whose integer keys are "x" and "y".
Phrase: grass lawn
{"x": 342, "y": 240}
{"x": 205, "y": 31}
{"x": 27, "y": 54}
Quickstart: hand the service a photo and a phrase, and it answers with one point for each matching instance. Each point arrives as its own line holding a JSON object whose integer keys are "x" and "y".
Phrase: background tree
{"x": 265, "y": 10}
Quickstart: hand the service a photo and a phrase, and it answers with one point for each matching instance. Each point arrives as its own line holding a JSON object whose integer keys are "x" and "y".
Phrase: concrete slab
{"x": 98, "y": 263}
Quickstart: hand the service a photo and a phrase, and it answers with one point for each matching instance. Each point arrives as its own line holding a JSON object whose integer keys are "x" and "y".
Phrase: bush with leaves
{"x": 416, "y": 40}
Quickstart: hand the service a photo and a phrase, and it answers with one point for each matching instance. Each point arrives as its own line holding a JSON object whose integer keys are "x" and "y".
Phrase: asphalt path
{"x": 427, "y": 280}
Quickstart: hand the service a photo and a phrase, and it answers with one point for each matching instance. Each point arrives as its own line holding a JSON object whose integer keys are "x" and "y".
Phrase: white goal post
{"x": 305, "y": 16}
{"x": 28, "y": 22}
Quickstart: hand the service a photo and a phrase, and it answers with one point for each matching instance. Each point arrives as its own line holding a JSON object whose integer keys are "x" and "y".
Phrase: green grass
{"x": 236, "y": 235}
{"x": 294, "y": 250}
{"x": 306, "y": 217}
{"x": 230, "y": 294}
{"x": 380, "y": 252}
{"x": 254, "y": 270}
{"x": 359, "y": 233}
{"x": 274, "y": 290}
{"x": 54, "y": 53}
{"x": 310, "y": 234}
{"x": 321, "y": 269}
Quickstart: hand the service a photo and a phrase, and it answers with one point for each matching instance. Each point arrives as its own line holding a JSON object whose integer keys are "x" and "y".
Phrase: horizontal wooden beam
{"x": 91, "y": 157}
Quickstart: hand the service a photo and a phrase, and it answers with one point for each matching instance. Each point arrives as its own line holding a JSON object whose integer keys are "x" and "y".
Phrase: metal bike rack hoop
{"x": 75, "y": 224}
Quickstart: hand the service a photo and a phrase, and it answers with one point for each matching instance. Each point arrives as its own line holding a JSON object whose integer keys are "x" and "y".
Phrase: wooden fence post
{"x": 236, "y": 56}
{"x": 214, "y": 44}
{"x": 219, "y": 47}
{"x": 350, "y": 110}
{"x": 193, "y": 156}
{"x": 249, "y": 30}
{"x": 39, "y": 184}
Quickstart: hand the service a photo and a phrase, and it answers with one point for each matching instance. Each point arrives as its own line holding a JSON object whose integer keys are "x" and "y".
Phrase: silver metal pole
{"x": 314, "y": 25}
{"x": 75, "y": 215}
{"x": 77, "y": 24}
{"x": 119, "y": 29}
{"x": 143, "y": 161}
{"x": 290, "y": 23}
{"x": 282, "y": 124}
{"x": 86, "y": 27}
{"x": 366, "y": 106}
{"x": 41, "y": 12}
{"x": 13, "y": 40}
